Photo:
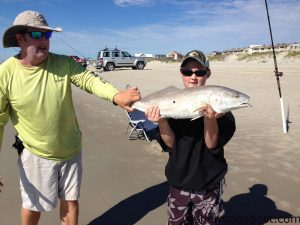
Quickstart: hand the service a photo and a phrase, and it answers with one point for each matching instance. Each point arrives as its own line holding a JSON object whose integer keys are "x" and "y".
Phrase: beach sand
{"x": 124, "y": 180}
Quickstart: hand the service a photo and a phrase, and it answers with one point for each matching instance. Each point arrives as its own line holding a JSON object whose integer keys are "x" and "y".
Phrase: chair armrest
{"x": 137, "y": 121}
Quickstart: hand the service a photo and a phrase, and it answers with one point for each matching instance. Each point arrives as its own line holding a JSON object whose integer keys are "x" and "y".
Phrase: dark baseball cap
{"x": 198, "y": 56}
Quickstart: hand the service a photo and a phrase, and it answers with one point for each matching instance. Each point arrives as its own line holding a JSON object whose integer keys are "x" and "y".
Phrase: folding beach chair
{"x": 140, "y": 127}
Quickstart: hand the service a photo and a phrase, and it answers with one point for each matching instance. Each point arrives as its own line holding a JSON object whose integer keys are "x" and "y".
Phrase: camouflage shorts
{"x": 189, "y": 208}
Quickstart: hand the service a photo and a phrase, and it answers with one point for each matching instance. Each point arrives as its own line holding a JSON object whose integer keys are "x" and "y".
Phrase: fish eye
{"x": 174, "y": 101}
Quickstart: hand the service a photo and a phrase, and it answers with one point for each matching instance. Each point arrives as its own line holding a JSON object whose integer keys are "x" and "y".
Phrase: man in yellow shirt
{"x": 35, "y": 92}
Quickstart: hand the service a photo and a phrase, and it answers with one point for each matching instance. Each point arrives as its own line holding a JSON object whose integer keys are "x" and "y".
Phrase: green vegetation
{"x": 262, "y": 57}
{"x": 293, "y": 54}
{"x": 216, "y": 57}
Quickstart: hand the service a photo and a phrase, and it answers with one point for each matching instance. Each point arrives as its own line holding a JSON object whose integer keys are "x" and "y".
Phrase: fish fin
{"x": 196, "y": 117}
{"x": 201, "y": 107}
{"x": 199, "y": 110}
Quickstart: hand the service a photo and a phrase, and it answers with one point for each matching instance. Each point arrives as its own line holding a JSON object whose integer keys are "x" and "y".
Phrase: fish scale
{"x": 179, "y": 103}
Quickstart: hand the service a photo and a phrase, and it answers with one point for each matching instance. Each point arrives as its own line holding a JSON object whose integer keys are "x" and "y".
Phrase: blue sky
{"x": 158, "y": 26}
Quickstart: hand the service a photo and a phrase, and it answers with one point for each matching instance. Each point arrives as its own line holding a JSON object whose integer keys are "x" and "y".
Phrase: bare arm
{"x": 211, "y": 132}
{"x": 124, "y": 99}
{"x": 211, "y": 129}
{"x": 166, "y": 132}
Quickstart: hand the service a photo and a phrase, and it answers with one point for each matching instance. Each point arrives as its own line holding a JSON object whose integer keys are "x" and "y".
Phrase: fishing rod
{"x": 277, "y": 74}
{"x": 66, "y": 43}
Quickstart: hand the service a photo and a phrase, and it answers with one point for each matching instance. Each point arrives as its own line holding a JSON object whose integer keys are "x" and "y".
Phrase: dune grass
{"x": 217, "y": 57}
{"x": 293, "y": 54}
{"x": 261, "y": 57}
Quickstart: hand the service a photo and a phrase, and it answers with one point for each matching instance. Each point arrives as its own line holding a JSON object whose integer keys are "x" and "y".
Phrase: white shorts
{"x": 42, "y": 181}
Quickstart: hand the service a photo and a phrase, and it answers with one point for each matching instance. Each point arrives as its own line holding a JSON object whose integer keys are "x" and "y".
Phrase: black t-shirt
{"x": 191, "y": 164}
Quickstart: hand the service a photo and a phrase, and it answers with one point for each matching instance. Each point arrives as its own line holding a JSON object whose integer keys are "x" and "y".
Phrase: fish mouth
{"x": 245, "y": 104}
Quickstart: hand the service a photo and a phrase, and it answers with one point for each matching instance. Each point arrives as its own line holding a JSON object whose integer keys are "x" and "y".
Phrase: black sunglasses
{"x": 189, "y": 72}
{"x": 39, "y": 34}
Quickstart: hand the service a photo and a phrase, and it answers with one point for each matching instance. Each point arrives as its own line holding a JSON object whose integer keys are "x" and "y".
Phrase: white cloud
{"x": 207, "y": 28}
{"x": 205, "y": 25}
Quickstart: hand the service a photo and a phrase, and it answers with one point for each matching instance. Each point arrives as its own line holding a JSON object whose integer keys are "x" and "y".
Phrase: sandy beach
{"x": 124, "y": 181}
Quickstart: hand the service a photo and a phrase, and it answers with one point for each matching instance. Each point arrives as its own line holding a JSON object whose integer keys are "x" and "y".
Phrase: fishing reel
{"x": 278, "y": 74}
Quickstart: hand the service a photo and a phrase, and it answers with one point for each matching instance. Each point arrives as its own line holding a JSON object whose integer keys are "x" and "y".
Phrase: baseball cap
{"x": 26, "y": 19}
{"x": 196, "y": 55}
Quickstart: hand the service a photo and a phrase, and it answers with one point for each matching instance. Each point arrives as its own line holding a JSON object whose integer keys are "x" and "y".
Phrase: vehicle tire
{"x": 140, "y": 65}
{"x": 110, "y": 66}
{"x": 104, "y": 69}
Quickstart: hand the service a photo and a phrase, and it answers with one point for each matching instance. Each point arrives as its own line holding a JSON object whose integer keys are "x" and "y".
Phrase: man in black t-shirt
{"x": 196, "y": 165}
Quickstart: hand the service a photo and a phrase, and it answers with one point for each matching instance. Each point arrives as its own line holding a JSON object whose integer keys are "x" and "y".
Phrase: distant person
{"x": 196, "y": 165}
{"x": 35, "y": 92}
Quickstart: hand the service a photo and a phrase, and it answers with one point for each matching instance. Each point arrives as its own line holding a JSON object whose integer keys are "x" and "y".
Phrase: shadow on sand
{"x": 132, "y": 209}
{"x": 253, "y": 208}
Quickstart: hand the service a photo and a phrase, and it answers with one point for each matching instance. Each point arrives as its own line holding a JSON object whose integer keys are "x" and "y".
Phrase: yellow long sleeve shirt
{"x": 39, "y": 102}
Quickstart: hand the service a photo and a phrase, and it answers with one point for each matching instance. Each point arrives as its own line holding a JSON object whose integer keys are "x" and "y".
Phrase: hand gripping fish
{"x": 179, "y": 103}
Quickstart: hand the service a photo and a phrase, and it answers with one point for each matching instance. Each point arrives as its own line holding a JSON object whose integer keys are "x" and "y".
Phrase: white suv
{"x": 110, "y": 59}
